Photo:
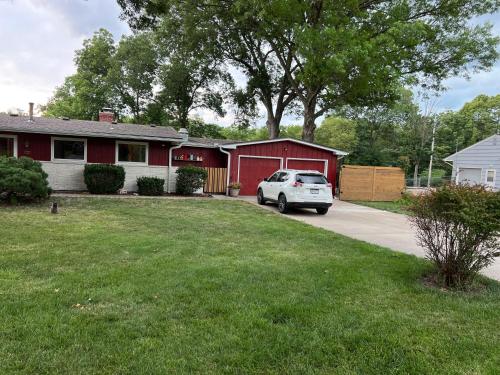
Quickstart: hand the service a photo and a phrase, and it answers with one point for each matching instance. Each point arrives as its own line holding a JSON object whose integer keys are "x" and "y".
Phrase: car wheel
{"x": 282, "y": 204}
{"x": 260, "y": 197}
{"x": 322, "y": 211}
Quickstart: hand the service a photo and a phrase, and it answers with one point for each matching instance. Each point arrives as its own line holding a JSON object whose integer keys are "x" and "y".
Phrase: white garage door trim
{"x": 257, "y": 157}
{"x": 325, "y": 170}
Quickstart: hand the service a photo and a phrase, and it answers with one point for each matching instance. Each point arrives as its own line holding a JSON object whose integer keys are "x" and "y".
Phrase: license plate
{"x": 314, "y": 191}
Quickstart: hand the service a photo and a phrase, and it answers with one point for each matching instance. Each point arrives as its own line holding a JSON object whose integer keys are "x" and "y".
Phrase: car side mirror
{"x": 265, "y": 179}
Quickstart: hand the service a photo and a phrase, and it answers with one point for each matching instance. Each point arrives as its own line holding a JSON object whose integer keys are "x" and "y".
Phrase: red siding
{"x": 212, "y": 157}
{"x": 100, "y": 150}
{"x": 253, "y": 171}
{"x": 158, "y": 153}
{"x": 285, "y": 149}
{"x": 35, "y": 146}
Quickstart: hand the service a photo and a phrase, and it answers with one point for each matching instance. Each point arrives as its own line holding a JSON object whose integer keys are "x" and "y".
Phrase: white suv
{"x": 296, "y": 188}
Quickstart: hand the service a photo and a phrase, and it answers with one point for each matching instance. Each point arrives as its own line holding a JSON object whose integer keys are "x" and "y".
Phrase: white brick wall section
{"x": 133, "y": 171}
{"x": 69, "y": 175}
{"x": 65, "y": 176}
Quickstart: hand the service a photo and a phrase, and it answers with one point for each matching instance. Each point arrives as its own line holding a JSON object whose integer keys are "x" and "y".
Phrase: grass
{"x": 133, "y": 286}
{"x": 399, "y": 207}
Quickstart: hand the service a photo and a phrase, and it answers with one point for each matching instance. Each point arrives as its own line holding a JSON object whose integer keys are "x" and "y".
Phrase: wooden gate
{"x": 216, "y": 181}
{"x": 371, "y": 183}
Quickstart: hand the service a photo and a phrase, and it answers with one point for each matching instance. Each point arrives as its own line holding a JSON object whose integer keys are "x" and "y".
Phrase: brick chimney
{"x": 106, "y": 115}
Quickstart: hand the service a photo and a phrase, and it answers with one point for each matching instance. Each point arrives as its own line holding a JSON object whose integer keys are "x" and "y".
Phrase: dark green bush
{"x": 190, "y": 179}
{"x": 22, "y": 179}
{"x": 150, "y": 185}
{"x": 104, "y": 178}
{"x": 459, "y": 227}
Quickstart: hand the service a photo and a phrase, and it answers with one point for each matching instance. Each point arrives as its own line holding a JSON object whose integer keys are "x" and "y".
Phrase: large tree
{"x": 133, "y": 73}
{"x": 87, "y": 91}
{"x": 354, "y": 52}
{"x": 229, "y": 29}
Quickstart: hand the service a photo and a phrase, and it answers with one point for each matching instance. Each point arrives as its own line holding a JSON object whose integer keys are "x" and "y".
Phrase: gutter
{"x": 228, "y": 167}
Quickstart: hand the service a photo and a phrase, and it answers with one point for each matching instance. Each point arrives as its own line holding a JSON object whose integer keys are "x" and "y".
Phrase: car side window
{"x": 283, "y": 176}
{"x": 274, "y": 177}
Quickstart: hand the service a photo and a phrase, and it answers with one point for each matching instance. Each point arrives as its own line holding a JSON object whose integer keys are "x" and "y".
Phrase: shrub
{"x": 459, "y": 227}
{"x": 22, "y": 179}
{"x": 234, "y": 185}
{"x": 104, "y": 178}
{"x": 190, "y": 179}
{"x": 150, "y": 185}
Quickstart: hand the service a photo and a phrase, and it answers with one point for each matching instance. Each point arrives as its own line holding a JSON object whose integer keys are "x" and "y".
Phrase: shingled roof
{"x": 83, "y": 128}
{"x": 208, "y": 142}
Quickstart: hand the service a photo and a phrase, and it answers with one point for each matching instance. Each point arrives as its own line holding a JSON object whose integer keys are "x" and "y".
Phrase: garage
{"x": 251, "y": 162}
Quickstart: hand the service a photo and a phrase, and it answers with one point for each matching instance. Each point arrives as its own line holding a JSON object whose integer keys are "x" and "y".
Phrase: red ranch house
{"x": 64, "y": 146}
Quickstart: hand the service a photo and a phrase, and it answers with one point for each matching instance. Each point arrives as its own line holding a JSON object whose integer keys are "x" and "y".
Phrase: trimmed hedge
{"x": 104, "y": 178}
{"x": 190, "y": 179}
{"x": 150, "y": 185}
{"x": 22, "y": 179}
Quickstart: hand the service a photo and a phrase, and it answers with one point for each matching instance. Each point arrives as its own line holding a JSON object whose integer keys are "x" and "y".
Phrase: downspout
{"x": 185, "y": 137}
{"x": 228, "y": 167}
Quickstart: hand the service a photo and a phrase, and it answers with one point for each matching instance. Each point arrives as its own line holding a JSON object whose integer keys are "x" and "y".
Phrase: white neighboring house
{"x": 478, "y": 164}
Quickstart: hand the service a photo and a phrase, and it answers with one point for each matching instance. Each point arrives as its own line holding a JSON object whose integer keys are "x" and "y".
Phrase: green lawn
{"x": 115, "y": 286}
{"x": 399, "y": 206}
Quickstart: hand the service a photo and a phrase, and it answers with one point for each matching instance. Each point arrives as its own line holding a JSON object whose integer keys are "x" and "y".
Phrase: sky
{"x": 38, "y": 39}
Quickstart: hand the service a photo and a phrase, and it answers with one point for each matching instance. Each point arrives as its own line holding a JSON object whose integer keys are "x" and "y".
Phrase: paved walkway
{"x": 370, "y": 225}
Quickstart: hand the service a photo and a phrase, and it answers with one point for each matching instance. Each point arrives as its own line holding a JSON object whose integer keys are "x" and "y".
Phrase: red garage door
{"x": 253, "y": 170}
{"x": 315, "y": 165}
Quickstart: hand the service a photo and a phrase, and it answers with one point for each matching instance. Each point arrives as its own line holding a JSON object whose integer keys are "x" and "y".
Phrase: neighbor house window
{"x": 68, "y": 149}
{"x": 490, "y": 177}
{"x": 132, "y": 152}
{"x": 8, "y": 145}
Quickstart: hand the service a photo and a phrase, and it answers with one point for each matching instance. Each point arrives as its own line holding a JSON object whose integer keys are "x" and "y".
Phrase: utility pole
{"x": 432, "y": 153}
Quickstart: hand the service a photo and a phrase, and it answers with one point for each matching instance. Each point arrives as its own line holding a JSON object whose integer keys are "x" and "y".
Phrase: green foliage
{"x": 198, "y": 128}
{"x": 190, "y": 179}
{"x": 150, "y": 185}
{"x": 475, "y": 121}
{"x": 22, "y": 179}
{"x": 104, "y": 178}
{"x": 132, "y": 74}
{"x": 337, "y": 132}
{"x": 291, "y": 131}
{"x": 459, "y": 226}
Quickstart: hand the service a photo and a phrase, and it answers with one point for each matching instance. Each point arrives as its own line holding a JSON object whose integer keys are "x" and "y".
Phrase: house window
{"x": 490, "y": 177}
{"x": 7, "y": 146}
{"x": 132, "y": 152}
{"x": 68, "y": 149}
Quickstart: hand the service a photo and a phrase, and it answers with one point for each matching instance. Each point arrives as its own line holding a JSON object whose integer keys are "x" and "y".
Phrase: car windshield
{"x": 311, "y": 178}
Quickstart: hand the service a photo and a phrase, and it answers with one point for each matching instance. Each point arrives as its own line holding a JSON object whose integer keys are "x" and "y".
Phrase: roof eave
{"x": 335, "y": 151}
{"x": 93, "y": 135}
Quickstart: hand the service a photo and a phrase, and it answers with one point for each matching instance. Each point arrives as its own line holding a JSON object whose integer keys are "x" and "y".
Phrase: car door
{"x": 280, "y": 182}
{"x": 269, "y": 185}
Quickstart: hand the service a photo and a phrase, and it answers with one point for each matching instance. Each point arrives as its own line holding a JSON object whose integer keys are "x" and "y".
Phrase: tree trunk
{"x": 415, "y": 175}
{"x": 309, "y": 121}
{"x": 273, "y": 127}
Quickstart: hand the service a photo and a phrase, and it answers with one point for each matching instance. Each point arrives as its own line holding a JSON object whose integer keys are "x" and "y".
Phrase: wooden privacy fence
{"x": 216, "y": 181}
{"x": 364, "y": 183}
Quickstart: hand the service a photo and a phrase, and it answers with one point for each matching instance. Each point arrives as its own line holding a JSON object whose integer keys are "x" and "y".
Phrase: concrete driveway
{"x": 370, "y": 225}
